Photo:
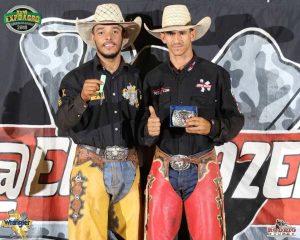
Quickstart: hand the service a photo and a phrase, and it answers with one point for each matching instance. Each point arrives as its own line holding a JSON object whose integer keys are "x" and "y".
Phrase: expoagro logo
{"x": 22, "y": 19}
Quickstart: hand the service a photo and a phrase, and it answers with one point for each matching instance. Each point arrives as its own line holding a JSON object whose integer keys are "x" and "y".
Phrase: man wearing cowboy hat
{"x": 191, "y": 109}
{"x": 98, "y": 108}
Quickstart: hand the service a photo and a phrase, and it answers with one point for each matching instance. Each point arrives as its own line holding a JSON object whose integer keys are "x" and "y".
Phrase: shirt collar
{"x": 188, "y": 67}
{"x": 98, "y": 66}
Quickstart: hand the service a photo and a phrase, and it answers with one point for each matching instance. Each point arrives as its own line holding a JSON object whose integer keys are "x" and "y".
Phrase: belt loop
{"x": 166, "y": 168}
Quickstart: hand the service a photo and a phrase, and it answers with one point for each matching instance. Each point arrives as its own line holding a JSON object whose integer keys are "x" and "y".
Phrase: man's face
{"x": 108, "y": 39}
{"x": 178, "y": 42}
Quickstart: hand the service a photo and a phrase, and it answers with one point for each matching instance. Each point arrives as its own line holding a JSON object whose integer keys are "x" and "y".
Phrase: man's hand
{"x": 197, "y": 125}
{"x": 90, "y": 88}
{"x": 153, "y": 123}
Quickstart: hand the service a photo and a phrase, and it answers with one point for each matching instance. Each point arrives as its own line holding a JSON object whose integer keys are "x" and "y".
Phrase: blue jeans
{"x": 118, "y": 179}
{"x": 184, "y": 182}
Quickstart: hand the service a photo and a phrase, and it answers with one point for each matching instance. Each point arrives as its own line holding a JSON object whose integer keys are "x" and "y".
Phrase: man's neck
{"x": 179, "y": 62}
{"x": 110, "y": 64}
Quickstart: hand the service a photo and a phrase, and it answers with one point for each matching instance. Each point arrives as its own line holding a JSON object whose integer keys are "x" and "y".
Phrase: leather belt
{"x": 99, "y": 156}
{"x": 183, "y": 162}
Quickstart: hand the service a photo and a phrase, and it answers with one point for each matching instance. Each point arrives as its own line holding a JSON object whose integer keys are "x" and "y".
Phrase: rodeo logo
{"x": 18, "y": 223}
{"x": 281, "y": 228}
{"x": 22, "y": 19}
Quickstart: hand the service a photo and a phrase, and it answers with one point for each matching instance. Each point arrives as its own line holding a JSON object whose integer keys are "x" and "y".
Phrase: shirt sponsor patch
{"x": 159, "y": 91}
{"x": 131, "y": 93}
{"x": 63, "y": 92}
{"x": 190, "y": 68}
{"x": 204, "y": 85}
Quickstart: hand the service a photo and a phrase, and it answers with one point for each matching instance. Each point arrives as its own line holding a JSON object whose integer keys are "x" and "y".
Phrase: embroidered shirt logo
{"x": 63, "y": 94}
{"x": 159, "y": 91}
{"x": 131, "y": 93}
{"x": 205, "y": 86}
{"x": 190, "y": 68}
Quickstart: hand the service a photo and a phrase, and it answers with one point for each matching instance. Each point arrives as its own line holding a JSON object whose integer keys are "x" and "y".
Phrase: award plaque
{"x": 178, "y": 114}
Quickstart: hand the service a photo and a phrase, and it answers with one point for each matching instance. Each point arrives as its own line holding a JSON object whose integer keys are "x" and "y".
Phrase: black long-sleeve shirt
{"x": 202, "y": 84}
{"x": 111, "y": 123}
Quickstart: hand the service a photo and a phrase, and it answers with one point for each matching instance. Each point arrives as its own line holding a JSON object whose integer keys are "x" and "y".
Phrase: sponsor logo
{"x": 22, "y": 19}
{"x": 204, "y": 85}
{"x": 18, "y": 223}
{"x": 190, "y": 68}
{"x": 281, "y": 228}
{"x": 131, "y": 93}
{"x": 159, "y": 91}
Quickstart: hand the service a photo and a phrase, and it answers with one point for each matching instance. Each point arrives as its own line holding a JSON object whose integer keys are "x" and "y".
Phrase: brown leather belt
{"x": 99, "y": 156}
{"x": 183, "y": 162}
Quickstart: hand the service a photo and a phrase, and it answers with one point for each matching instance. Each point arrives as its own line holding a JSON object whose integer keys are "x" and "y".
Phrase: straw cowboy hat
{"x": 109, "y": 14}
{"x": 178, "y": 18}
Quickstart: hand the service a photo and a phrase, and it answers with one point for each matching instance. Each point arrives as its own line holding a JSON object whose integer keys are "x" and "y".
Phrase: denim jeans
{"x": 118, "y": 179}
{"x": 184, "y": 182}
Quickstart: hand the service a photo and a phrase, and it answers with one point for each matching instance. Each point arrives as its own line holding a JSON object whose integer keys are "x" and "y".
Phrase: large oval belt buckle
{"x": 179, "y": 165}
{"x": 115, "y": 153}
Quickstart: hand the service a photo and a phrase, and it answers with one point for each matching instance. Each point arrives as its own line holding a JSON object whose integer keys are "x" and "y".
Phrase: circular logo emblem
{"x": 22, "y": 19}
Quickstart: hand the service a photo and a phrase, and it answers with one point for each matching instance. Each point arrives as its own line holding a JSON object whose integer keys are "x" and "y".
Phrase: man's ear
{"x": 124, "y": 33}
{"x": 193, "y": 34}
{"x": 162, "y": 37}
{"x": 92, "y": 35}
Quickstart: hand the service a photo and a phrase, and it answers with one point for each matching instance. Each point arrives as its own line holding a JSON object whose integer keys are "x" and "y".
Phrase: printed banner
{"x": 257, "y": 42}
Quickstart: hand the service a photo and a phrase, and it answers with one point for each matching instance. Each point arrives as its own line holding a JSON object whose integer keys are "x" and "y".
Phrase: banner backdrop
{"x": 256, "y": 41}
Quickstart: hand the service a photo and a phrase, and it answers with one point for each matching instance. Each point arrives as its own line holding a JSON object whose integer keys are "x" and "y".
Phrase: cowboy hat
{"x": 178, "y": 18}
{"x": 109, "y": 14}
